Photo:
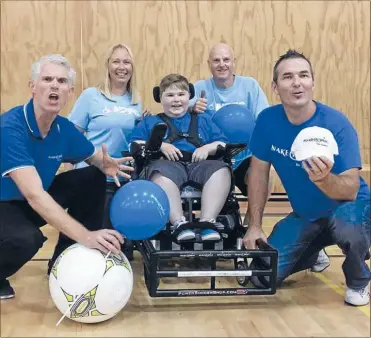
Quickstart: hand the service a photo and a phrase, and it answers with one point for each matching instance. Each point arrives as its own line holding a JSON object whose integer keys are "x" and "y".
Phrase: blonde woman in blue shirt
{"x": 107, "y": 114}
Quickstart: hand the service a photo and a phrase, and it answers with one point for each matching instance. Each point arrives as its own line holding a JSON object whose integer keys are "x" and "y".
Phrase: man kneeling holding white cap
{"x": 315, "y": 151}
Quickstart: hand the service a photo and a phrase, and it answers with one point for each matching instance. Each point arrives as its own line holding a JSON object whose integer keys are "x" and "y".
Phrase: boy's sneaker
{"x": 186, "y": 234}
{"x": 357, "y": 297}
{"x": 210, "y": 235}
{"x": 322, "y": 263}
{"x": 6, "y": 291}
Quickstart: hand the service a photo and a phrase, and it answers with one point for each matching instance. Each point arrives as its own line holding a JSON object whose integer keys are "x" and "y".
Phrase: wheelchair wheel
{"x": 147, "y": 280}
{"x": 242, "y": 265}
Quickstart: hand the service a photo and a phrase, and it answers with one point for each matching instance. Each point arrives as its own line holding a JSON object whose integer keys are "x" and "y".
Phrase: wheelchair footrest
{"x": 197, "y": 227}
{"x": 198, "y": 239}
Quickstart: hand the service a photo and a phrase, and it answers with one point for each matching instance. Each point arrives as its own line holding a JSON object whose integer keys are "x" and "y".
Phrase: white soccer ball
{"x": 92, "y": 287}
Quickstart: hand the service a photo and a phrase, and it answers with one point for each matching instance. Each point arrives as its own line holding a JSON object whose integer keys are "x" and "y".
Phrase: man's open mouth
{"x": 54, "y": 97}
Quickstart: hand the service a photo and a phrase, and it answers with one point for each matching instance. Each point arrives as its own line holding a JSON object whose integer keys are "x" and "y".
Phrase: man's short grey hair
{"x": 56, "y": 59}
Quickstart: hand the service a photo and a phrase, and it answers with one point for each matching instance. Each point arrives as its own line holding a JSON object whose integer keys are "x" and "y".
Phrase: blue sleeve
{"x": 349, "y": 154}
{"x": 15, "y": 152}
{"x": 259, "y": 142}
{"x": 78, "y": 147}
{"x": 141, "y": 131}
{"x": 260, "y": 99}
{"x": 80, "y": 111}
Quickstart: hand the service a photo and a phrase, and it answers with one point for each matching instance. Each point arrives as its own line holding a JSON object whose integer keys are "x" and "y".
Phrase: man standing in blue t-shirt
{"x": 35, "y": 140}
{"x": 315, "y": 151}
{"x": 224, "y": 88}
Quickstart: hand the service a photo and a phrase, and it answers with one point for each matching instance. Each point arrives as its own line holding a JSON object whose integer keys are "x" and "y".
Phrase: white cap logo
{"x": 314, "y": 141}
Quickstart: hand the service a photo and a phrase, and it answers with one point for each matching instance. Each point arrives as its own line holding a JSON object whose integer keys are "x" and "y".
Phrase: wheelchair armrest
{"x": 228, "y": 151}
{"x": 144, "y": 153}
{"x": 136, "y": 149}
{"x": 152, "y": 145}
{"x": 154, "y": 141}
{"x": 232, "y": 149}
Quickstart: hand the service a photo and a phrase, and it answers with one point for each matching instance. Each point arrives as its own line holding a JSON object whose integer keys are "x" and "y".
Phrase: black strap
{"x": 191, "y": 135}
{"x": 174, "y": 133}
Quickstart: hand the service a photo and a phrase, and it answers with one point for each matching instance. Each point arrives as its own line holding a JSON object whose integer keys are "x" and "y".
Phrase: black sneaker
{"x": 6, "y": 291}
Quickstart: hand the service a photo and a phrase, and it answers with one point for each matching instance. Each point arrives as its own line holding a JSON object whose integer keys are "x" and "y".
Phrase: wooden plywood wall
{"x": 175, "y": 36}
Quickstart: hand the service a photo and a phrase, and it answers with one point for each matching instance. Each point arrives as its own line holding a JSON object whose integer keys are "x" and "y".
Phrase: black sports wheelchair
{"x": 209, "y": 257}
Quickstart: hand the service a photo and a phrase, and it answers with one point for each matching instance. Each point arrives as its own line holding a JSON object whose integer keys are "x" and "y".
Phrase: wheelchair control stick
{"x": 154, "y": 141}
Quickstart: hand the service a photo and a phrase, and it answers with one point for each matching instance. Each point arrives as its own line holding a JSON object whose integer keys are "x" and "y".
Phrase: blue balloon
{"x": 236, "y": 121}
{"x": 139, "y": 210}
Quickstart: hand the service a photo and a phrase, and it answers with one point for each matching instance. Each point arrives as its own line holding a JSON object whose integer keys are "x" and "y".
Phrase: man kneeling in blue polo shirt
{"x": 189, "y": 141}
{"x": 329, "y": 198}
{"x": 35, "y": 140}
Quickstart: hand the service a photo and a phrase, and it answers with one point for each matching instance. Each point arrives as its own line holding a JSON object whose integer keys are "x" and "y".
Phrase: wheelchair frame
{"x": 152, "y": 272}
{"x": 153, "y": 257}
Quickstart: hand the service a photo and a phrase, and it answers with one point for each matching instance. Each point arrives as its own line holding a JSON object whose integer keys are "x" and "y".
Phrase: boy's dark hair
{"x": 290, "y": 54}
{"x": 179, "y": 81}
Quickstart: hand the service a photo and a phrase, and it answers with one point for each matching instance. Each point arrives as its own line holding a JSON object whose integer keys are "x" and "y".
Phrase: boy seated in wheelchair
{"x": 189, "y": 141}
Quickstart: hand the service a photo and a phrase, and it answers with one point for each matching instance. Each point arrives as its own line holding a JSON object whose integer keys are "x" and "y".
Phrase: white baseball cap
{"x": 314, "y": 141}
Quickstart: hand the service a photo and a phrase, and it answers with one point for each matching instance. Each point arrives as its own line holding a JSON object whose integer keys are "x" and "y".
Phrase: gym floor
{"x": 308, "y": 305}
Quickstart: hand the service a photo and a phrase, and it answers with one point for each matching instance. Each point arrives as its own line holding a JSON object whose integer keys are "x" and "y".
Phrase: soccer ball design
{"x": 93, "y": 286}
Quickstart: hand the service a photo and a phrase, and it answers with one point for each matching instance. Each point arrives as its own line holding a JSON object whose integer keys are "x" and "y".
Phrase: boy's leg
{"x": 350, "y": 227}
{"x": 82, "y": 192}
{"x": 170, "y": 176}
{"x": 215, "y": 192}
{"x": 215, "y": 178}
{"x": 20, "y": 239}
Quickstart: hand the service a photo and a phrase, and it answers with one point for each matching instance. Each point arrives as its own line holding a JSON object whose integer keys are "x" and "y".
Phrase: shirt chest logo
{"x": 57, "y": 158}
{"x": 121, "y": 110}
{"x": 285, "y": 153}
